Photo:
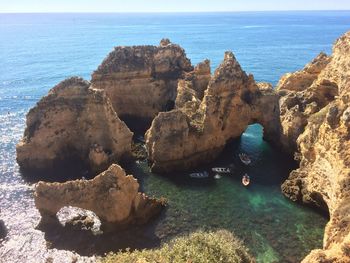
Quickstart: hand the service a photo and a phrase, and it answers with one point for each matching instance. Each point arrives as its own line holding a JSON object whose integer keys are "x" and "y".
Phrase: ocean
{"x": 39, "y": 50}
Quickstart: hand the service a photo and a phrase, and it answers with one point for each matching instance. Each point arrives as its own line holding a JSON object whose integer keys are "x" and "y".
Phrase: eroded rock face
{"x": 141, "y": 81}
{"x": 303, "y": 93}
{"x": 112, "y": 195}
{"x": 73, "y": 122}
{"x": 198, "y": 129}
{"x": 323, "y": 178}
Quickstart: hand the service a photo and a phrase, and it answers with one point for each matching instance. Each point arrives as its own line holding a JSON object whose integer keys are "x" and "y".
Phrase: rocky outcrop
{"x": 303, "y": 93}
{"x": 323, "y": 178}
{"x": 112, "y": 195}
{"x": 198, "y": 129}
{"x": 73, "y": 122}
{"x": 141, "y": 81}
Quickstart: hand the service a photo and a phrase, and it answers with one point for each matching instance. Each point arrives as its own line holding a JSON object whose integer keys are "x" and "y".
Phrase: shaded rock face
{"x": 141, "y": 81}
{"x": 112, "y": 195}
{"x": 73, "y": 122}
{"x": 2, "y": 230}
{"x": 323, "y": 178}
{"x": 198, "y": 129}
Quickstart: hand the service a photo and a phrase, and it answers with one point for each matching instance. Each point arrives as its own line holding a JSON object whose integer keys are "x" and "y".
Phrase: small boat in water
{"x": 245, "y": 180}
{"x": 200, "y": 175}
{"x": 221, "y": 170}
{"x": 217, "y": 176}
{"x": 244, "y": 158}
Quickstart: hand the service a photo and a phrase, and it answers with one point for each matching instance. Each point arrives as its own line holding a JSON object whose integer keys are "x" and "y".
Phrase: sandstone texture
{"x": 141, "y": 81}
{"x": 194, "y": 115}
{"x": 303, "y": 93}
{"x": 323, "y": 178}
{"x": 74, "y": 122}
{"x": 199, "y": 128}
{"x": 112, "y": 195}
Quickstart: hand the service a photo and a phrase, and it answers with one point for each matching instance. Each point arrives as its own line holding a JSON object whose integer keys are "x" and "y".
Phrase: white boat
{"x": 244, "y": 158}
{"x": 245, "y": 180}
{"x": 217, "y": 176}
{"x": 204, "y": 174}
{"x": 221, "y": 170}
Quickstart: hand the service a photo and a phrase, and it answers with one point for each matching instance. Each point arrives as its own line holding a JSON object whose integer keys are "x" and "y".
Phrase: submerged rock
{"x": 141, "y": 81}
{"x": 73, "y": 122}
{"x": 323, "y": 178}
{"x": 198, "y": 129}
{"x": 112, "y": 195}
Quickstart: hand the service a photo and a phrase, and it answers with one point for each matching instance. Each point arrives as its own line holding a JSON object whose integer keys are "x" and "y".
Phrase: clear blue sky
{"x": 168, "y": 6}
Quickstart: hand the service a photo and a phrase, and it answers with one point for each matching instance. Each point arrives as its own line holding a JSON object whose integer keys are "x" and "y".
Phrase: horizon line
{"x": 174, "y": 12}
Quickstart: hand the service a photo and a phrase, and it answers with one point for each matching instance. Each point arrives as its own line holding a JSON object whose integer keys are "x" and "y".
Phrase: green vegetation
{"x": 199, "y": 247}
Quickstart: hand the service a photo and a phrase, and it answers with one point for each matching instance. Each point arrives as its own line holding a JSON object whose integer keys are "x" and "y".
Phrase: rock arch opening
{"x": 78, "y": 219}
{"x": 265, "y": 157}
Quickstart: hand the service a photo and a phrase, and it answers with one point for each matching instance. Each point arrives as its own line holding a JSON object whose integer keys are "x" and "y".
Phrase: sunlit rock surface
{"x": 309, "y": 113}
{"x": 198, "y": 129}
{"x": 73, "y": 122}
{"x": 303, "y": 93}
{"x": 112, "y": 195}
{"x": 323, "y": 178}
{"x": 141, "y": 81}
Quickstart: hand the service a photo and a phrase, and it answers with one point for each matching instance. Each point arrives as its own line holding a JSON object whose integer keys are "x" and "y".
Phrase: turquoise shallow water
{"x": 272, "y": 227}
{"x": 39, "y": 50}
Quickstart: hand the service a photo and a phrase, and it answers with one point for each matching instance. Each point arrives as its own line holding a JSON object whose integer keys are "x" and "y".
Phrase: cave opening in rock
{"x": 170, "y": 105}
{"x": 71, "y": 167}
{"x": 269, "y": 165}
{"x": 137, "y": 125}
{"x": 78, "y": 219}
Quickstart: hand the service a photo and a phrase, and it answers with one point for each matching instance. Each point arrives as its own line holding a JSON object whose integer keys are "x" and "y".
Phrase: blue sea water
{"x": 39, "y": 50}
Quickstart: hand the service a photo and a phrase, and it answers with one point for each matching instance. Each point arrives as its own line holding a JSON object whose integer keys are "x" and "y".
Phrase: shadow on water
{"x": 70, "y": 169}
{"x": 89, "y": 243}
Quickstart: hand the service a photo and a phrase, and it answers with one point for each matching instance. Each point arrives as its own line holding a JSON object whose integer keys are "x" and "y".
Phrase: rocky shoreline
{"x": 323, "y": 178}
{"x": 194, "y": 115}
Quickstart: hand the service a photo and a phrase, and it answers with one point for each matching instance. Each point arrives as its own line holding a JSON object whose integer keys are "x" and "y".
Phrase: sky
{"x": 20, "y": 6}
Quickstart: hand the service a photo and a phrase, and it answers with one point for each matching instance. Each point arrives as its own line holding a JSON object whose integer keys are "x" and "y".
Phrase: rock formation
{"x": 323, "y": 178}
{"x": 112, "y": 195}
{"x": 198, "y": 129}
{"x": 308, "y": 114}
{"x": 73, "y": 122}
{"x": 141, "y": 81}
{"x": 302, "y": 94}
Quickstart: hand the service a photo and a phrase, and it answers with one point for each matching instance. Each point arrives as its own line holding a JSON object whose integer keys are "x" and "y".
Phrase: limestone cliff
{"x": 323, "y": 178}
{"x": 112, "y": 195}
{"x": 198, "y": 129}
{"x": 141, "y": 81}
{"x": 303, "y": 93}
{"x": 73, "y": 122}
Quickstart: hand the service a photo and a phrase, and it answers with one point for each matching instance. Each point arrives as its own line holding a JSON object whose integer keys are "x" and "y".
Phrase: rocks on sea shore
{"x": 112, "y": 195}
{"x": 193, "y": 114}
